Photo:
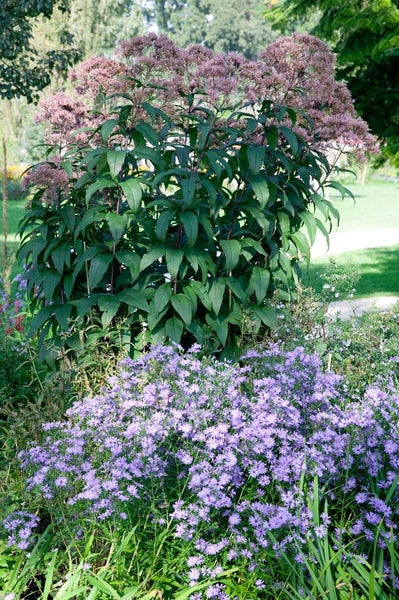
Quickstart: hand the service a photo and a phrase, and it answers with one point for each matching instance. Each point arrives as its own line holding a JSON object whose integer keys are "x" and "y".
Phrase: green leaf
{"x": 132, "y": 192}
{"x": 98, "y": 267}
{"x": 267, "y": 314}
{"x": 134, "y": 298}
{"x": 261, "y": 189}
{"x": 161, "y": 297}
{"x": 322, "y": 228}
{"x": 290, "y": 137}
{"x": 44, "y": 314}
{"x": 84, "y": 304}
{"x": 237, "y": 289}
{"x": 51, "y": 280}
{"x": 272, "y": 136}
{"x": 173, "y": 261}
{"x": 62, "y": 313}
{"x": 220, "y": 326}
{"x": 183, "y": 306}
{"x": 190, "y": 224}
{"x": 301, "y": 243}
{"x": 61, "y": 257}
{"x": 147, "y": 132}
{"x": 188, "y": 190}
{"x": 102, "y": 586}
{"x": 174, "y": 329}
{"x": 109, "y": 306}
{"x": 163, "y": 221}
{"x": 117, "y": 225}
{"x": 97, "y": 186}
{"x": 216, "y": 293}
{"x": 68, "y": 216}
{"x": 107, "y": 128}
{"x": 116, "y": 159}
{"x": 256, "y": 157}
{"x": 232, "y": 251}
{"x": 310, "y": 223}
{"x": 259, "y": 283}
{"x": 155, "y": 252}
{"x": 201, "y": 293}
{"x": 284, "y": 222}
{"x": 131, "y": 260}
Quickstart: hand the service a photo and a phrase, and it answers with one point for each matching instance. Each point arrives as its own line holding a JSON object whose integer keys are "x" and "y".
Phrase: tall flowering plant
{"x": 226, "y": 458}
{"x": 181, "y": 183}
{"x": 180, "y": 229}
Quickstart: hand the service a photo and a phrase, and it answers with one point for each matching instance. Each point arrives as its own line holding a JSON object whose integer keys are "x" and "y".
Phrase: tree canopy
{"x": 210, "y": 22}
{"x": 26, "y": 69}
{"x": 365, "y": 36}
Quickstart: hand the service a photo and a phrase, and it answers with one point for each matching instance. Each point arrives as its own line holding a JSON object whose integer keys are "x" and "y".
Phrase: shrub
{"x": 226, "y": 458}
{"x": 178, "y": 230}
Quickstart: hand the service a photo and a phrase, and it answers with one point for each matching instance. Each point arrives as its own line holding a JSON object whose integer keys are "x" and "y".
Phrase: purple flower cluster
{"x": 228, "y": 452}
{"x": 20, "y": 527}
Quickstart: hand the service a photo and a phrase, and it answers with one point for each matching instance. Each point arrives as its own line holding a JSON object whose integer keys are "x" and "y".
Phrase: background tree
{"x": 210, "y": 22}
{"x": 365, "y": 36}
{"x": 25, "y": 68}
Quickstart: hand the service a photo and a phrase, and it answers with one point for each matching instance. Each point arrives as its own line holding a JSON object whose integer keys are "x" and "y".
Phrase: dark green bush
{"x": 174, "y": 230}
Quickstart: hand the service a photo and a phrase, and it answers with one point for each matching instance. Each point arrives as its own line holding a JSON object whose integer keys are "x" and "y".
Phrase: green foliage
{"x": 174, "y": 230}
{"x": 339, "y": 281}
{"x": 24, "y": 71}
{"x": 363, "y": 348}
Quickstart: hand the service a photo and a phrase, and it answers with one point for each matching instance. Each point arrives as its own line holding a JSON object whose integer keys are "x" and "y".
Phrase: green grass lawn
{"x": 376, "y": 206}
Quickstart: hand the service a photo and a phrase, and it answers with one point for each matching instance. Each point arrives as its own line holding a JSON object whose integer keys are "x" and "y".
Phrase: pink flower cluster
{"x": 297, "y": 70}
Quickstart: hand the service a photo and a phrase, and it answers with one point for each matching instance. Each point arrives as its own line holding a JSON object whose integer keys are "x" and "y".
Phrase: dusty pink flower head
{"x": 50, "y": 177}
{"x": 62, "y": 114}
{"x": 298, "y": 71}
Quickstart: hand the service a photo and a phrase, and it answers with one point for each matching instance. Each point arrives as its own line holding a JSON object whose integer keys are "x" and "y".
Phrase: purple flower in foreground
{"x": 232, "y": 451}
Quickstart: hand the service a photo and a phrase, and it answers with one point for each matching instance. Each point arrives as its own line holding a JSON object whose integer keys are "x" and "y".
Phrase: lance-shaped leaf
{"x": 132, "y": 192}
{"x": 261, "y": 189}
{"x": 161, "y": 297}
{"x": 259, "y": 283}
{"x": 115, "y": 159}
{"x": 183, "y": 307}
{"x": 97, "y": 186}
{"x": 174, "y": 258}
{"x": 98, "y": 267}
{"x": 266, "y": 314}
{"x": 109, "y": 306}
{"x": 117, "y": 225}
{"x": 174, "y": 328}
{"x": 216, "y": 293}
{"x": 232, "y": 251}
{"x": 190, "y": 224}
